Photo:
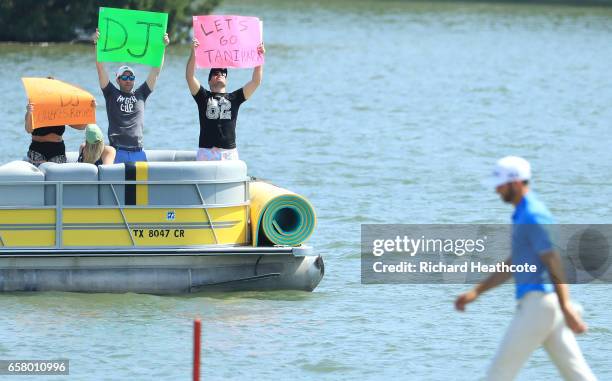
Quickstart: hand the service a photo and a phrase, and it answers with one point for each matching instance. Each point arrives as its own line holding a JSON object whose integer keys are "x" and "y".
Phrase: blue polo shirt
{"x": 530, "y": 239}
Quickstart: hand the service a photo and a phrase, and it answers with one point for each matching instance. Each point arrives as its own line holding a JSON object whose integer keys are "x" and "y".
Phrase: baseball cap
{"x": 93, "y": 134}
{"x": 509, "y": 169}
{"x": 123, "y": 69}
{"x": 214, "y": 69}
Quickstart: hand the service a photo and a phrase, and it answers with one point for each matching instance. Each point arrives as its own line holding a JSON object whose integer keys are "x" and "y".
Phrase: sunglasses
{"x": 127, "y": 77}
{"x": 218, "y": 73}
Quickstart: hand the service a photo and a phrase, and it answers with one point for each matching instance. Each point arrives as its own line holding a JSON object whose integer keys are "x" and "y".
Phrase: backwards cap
{"x": 214, "y": 69}
{"x": 509, "y": 169}
{"x": 123, "y": 69}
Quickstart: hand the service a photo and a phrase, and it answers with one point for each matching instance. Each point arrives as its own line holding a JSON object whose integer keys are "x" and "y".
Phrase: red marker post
{"x": 197, "y": 331}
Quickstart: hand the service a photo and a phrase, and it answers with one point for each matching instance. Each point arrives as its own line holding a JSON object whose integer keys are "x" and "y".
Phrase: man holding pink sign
{"x": 221, "y": 42}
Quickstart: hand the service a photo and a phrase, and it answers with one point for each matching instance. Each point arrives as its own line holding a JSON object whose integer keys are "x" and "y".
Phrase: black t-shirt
{"x": 125, "y": 113}
{"x": 218, "y": 114}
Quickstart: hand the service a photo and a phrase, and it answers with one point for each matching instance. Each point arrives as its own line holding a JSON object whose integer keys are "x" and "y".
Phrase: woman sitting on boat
{"x": 94, "y": 151}
{"x": 47, "y": 142}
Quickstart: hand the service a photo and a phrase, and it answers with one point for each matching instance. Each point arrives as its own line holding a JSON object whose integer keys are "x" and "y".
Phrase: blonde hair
{"x": 93, "y": 152}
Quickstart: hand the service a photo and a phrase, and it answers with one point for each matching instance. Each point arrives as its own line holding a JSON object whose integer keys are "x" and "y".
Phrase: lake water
{"x": 378, "y": 112}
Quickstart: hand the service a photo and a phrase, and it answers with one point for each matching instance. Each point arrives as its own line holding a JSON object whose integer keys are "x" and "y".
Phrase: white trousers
{"x": 539, "y": 321}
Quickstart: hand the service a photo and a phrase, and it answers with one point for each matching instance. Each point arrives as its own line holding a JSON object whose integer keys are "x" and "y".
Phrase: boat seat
{"x": 21, "y": 195}
{"x": 72, "y": 157}
{"x": 170, "y": 155}
{"x": 73, "y": 194}
{"x": 185, "y": 156}
{"x": 174, "y": 194}
{"x": 160, "y": 155}
{"x": 152, "y": 155}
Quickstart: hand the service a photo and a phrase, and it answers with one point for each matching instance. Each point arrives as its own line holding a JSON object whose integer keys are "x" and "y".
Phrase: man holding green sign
{"x": 129, "y": 36}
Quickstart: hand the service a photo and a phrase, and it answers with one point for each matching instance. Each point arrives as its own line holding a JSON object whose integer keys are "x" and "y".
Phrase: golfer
{"x": 544, "y": 315}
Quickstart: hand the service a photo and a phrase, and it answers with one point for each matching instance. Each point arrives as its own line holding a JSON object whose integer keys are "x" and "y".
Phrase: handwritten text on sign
{"x": 58, "y": 103}
{"x": 131, "y": 36}
{"x": 227, "y": 41}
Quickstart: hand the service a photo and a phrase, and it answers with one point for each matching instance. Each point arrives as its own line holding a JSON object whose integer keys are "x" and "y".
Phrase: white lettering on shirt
{"x": 126, "y": 103}
{"x": 218, "y": 108}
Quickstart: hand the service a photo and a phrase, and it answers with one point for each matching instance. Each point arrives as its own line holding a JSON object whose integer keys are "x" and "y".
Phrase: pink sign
{"x": 227, "y": 41}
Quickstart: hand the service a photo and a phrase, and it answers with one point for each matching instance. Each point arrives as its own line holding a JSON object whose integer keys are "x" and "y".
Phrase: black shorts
{"x": 40, "y": 152}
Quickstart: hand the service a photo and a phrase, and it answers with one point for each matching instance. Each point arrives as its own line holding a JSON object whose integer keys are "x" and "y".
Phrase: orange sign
{"x": 58, "y": 103}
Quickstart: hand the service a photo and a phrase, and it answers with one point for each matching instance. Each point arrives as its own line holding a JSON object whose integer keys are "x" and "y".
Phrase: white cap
{"x": 123, "y": 69}
{"x": 509, "y": 169}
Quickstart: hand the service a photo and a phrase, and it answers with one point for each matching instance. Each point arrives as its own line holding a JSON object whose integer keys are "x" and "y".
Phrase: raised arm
{"x": 255, "y": 81}
{"x": 192, "y": 81}
{"x": 552, "y": 260}
{"x": 492, "y": 281}
{"x": 102, "y": 75}
{"x": 28, "y": 118}
{"x": 154, "y": 73}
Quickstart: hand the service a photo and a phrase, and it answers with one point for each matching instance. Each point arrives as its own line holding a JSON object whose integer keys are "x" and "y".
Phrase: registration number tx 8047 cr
{"x": 158, "y": 233}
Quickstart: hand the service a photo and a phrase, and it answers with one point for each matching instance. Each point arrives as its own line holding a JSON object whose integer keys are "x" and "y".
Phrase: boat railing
{"x": 59, "y": 205}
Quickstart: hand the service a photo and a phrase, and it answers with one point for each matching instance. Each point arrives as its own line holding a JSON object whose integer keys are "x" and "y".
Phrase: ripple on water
{"x": 258, "y": 295}
{"x": 325, "y": 366}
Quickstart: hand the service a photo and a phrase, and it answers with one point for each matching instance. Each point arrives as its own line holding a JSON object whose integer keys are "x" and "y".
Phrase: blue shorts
{"x": 129, "y": 156}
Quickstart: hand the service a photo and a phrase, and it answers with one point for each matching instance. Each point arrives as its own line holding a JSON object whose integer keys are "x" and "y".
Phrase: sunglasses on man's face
{"x": 218, "y": 73}
{"x": 127, "y": 77}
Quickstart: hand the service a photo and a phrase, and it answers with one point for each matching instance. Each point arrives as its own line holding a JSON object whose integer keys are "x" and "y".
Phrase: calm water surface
{"x": 378, "y": 112}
